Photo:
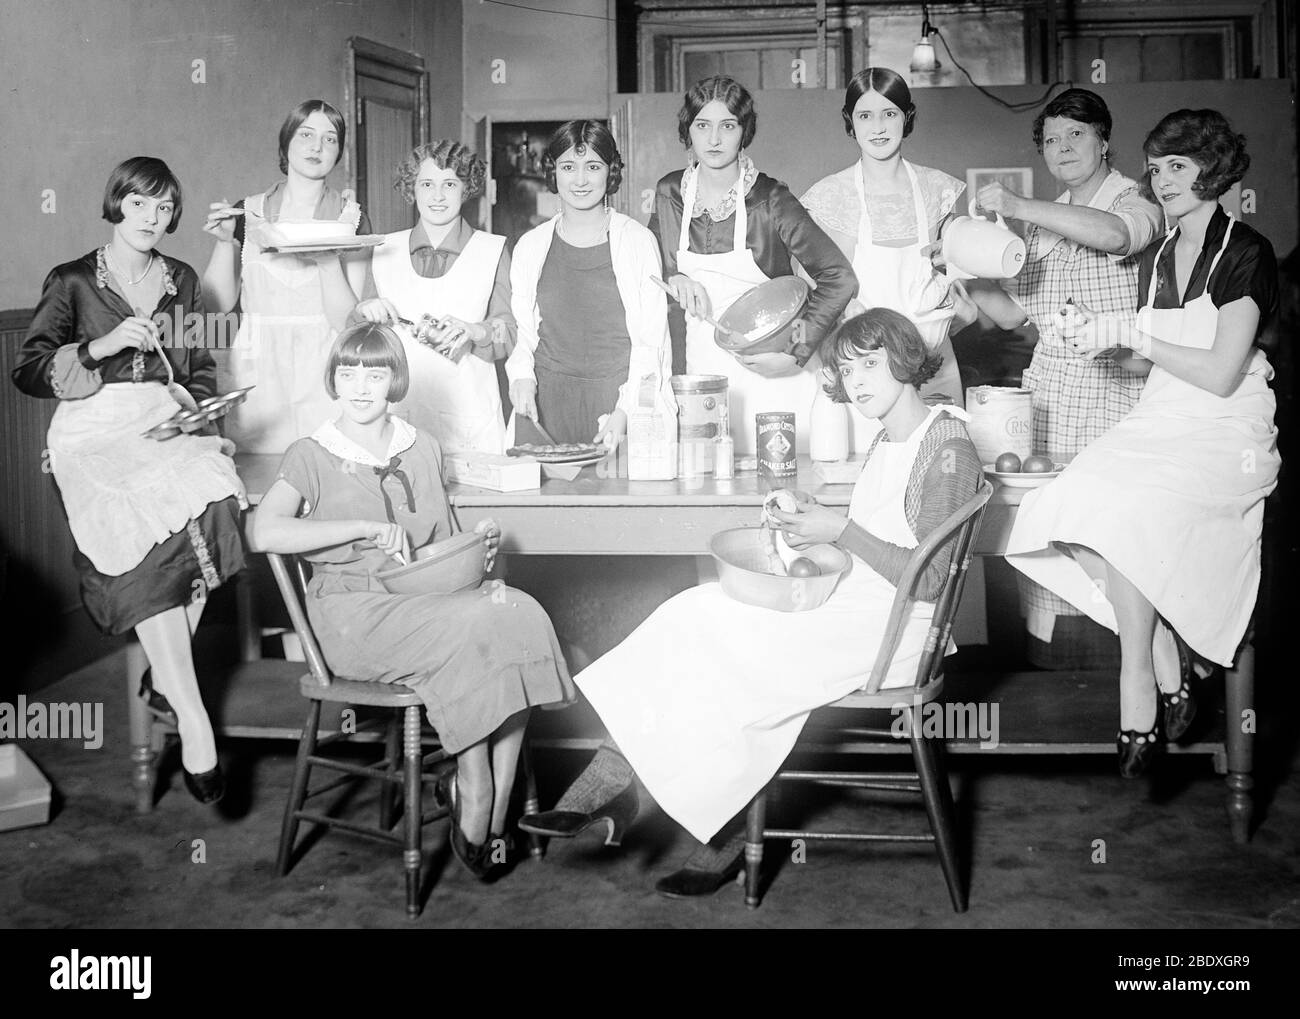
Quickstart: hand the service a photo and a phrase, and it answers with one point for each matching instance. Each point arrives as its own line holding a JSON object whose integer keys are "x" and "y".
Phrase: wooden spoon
{"x": 736, "y": 337}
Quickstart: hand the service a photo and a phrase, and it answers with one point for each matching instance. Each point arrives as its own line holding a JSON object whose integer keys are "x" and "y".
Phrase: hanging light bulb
{"x": 924, "y": 59}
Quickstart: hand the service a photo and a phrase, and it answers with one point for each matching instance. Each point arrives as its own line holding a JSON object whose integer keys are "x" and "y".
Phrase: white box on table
{"x": 24, "y": 791}
{"x": 494, "y": 471}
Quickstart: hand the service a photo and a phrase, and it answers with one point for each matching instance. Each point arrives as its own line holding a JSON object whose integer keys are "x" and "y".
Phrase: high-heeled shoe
{"x": 1179, "y": 706}
{"x": 617, "y": 814}
{"x": 477, "y": 859}
{"x": 206, "y": 786}
{"x": 157, "y": 703}
{"x": 1136, "y": 749}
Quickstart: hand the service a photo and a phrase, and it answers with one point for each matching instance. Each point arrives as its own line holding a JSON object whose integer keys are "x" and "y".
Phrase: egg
{"x": 803, "y": 567}
{"x": 1037, "y": 465}
{"x": 1007, "y": 463}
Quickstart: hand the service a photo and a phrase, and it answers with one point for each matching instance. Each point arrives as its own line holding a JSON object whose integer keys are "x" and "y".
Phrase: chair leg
{"x": 392, "y": 759}
{"x": 412, "y": 754}
{"x": 933, "y": 774}
{"x": 536, "y": 847}
{"x": 1239, "y": 689}
{"x": 298, "y": 791}
{"x": 755, "y": 822}
{"x": 143, "y": 754}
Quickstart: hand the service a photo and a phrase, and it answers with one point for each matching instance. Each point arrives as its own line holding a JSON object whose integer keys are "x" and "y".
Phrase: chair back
{"x": 964, "y": 524}
{"x": 293, "y": 587}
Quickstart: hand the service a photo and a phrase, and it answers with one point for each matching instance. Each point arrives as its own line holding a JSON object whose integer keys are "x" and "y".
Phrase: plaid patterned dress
{"x": 1075, "y": 399}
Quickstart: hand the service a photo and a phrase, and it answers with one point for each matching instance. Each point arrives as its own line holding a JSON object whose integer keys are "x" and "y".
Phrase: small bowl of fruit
{"x": 1031, "y": 472}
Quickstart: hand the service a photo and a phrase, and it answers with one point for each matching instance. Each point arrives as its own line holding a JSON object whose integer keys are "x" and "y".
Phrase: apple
{"x": 1037, "y": 465}
{"x": 1008, "y": 463}
{"x": 803, "y": 567}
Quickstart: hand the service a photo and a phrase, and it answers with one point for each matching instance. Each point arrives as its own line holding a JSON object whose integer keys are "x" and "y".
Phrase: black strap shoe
{"x": 689, "y": 883}
{"x": 617, "y": 814}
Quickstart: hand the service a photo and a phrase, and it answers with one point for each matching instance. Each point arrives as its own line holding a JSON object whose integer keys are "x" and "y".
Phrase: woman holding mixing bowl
{"x": 445, "y": 268}
{"x": 706, "y": 698}
{"x": 1153, "y": 530}
{"x": 724, "y": 228}
{"x": 883, "y": 212}
{"x": 293, "y": 305}
{"x": 592, "y": 324}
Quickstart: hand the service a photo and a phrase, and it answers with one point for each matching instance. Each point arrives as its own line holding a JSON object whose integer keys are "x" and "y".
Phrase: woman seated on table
{"x": 706, "y": 698}
{"x": 354, "y": 499}
{"x": 460, "y": 276}
{"x": 156, "y": 523}
{"x": 1153, "y": 530}
{"x": 724, "y": 228}
{"x": 592, "y": 324}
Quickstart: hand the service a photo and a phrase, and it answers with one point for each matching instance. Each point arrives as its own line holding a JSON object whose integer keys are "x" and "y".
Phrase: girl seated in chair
{"x": 353, "y": 499}
{"x": 706, "y": 698}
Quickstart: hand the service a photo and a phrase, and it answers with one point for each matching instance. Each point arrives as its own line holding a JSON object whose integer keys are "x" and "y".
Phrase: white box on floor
{"x": 495, "y": 471}
{"x": 24, "y": 791}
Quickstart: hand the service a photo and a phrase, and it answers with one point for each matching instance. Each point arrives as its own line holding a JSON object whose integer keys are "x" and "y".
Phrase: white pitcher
{"x": 975, "y": 248}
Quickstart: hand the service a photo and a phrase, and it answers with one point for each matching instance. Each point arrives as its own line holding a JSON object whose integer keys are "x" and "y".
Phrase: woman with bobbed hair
{"x": 292, "y": 305}
{"x": 460, "y": 276}
{"x": 724, "y": 228}
{"x": 704, "y": 700}
{"x": 592, "y": 325}
{"x": 1153, "y": 530}
{"x": 884, "y": 212}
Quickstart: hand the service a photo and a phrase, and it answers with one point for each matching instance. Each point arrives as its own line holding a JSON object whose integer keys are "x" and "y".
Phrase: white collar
{"x": 329, "y": 436}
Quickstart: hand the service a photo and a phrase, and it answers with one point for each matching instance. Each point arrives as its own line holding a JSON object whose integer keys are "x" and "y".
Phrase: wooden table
{"x": 1056, "y": 712}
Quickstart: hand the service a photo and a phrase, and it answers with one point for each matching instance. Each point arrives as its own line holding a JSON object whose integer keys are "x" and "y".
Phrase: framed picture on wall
{"x": 1019, "y": 179}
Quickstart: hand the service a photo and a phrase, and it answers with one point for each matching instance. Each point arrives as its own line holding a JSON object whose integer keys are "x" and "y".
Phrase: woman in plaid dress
{"x": 1084, "y": 247}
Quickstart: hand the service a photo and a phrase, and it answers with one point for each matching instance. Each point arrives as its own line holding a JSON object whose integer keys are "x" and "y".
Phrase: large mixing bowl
{"x": 765, "y": 316}
{"x": 741, "y": 555}
{"x": 445, "y": 567}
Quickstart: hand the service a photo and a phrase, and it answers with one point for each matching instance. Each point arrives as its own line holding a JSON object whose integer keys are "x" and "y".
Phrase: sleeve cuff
{"x": 83, "y": 355}
{"x": 802, "y": 353}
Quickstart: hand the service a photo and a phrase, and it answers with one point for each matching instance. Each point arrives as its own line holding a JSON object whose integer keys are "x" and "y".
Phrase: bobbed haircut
{"x": 581, "y": 135}
{"x": 728, "y": 91}
{"x": 1207, "y": 139}
{"x": 369, "y": 345}
{"x": 876, "y": 329}
{"x": 887, "y": 83}
{"x": 295, "y": 120}
{"x": 141, "y": 175}
{"x": 446, "y": 155}
{"x": 1076, "y": 104}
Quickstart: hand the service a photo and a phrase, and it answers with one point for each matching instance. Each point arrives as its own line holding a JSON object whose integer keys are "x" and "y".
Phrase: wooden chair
{"x": 930, "y": 780}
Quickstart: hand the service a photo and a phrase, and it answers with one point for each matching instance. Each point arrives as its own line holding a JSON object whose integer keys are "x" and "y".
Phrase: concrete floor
{"x": 1031, "y": 826}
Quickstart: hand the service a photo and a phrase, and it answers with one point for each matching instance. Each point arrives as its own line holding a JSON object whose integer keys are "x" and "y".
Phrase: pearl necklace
{"x": 594, "y": 239}
{"x": 123, "y": 276}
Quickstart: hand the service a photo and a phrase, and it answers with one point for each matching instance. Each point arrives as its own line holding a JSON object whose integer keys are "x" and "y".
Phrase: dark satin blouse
{"x": 78, "y": 305}
{"x": 778, "y": 229}
{"x": 1248, "y": 268}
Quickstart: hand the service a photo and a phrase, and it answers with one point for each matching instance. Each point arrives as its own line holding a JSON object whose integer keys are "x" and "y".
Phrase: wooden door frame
{"x": 375, "y": 59}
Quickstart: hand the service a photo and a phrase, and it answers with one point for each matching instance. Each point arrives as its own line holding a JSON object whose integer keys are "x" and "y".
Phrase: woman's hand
{"x": 136, "y": 332}
{"x": 221, "y": 221}
{"x": 491, "y": 532}
{"x": 379, "y": 310}
{"x": 771, "y": 365}
{"x": 811, "y": 524}
{"x": 1001, "y": 200}
{"x": 691, "y": 295}
{"x": 390, "y": 539}
{"x": 523, "y": 395}
{"x": 455, "y": 336}
{"x": 612, "y": 429}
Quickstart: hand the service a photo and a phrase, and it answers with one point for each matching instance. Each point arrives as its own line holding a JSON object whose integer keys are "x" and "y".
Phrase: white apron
{"x": 281, "y": 348}
{"x": 897, "y": 278}
{"x": 124, "y": 493}
{"x": 458, "y": 403}
{"x": 707, "y": 697}
{"x": 1180, "y": 483}
{"x": 726, "y": 277}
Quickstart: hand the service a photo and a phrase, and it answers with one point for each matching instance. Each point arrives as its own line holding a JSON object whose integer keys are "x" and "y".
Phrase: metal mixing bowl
{"x": 772, "y": 307}
{"x": 741, "y": 555}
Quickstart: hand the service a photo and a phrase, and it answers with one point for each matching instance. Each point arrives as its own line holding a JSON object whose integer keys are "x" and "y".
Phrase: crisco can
{"x": 774, "y": 441}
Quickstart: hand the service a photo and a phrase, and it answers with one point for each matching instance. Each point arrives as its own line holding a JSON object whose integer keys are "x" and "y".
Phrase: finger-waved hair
{"x": 878, "y": 328}
{"x": 889, "y": 84}
{"x": 1077, "y": 104}
{"x": 1207, "y": 139}
{"x": 295, "y": 120}
{"x": 446, "y": 155}
{"x": 141, "y": 175}
{"x": 581, "y": 135}
{"x": 369, "y": 345}
{"x": 728, "y": 91}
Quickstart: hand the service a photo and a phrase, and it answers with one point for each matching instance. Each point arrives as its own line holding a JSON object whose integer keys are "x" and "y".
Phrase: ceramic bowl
{"x": 741, "y": 555}
{"x": 766, "y": 314}
{"x": 445, "y": 567}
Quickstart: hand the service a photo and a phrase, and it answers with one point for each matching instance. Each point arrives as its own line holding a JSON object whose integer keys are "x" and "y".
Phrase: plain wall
{"x": 555, "y": 62}
{"x": 85, "y": 84}
{"x": 801, "y": 137}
